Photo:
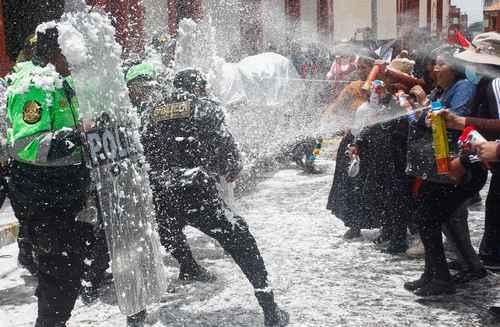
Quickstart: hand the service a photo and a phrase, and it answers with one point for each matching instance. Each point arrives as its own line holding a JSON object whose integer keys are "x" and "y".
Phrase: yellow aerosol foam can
{"x": 440, "y": 139}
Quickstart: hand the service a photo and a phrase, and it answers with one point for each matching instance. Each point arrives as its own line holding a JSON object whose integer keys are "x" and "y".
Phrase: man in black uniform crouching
{"x": 190, "y": 151}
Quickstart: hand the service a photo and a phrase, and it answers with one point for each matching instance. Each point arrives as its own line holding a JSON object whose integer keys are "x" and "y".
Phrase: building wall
{"x": 387, "y": 19}
{"x": 446, "y": 17}
{"x": 490, "y": 2}
{"x": 5, "y": 63}
{"x": 433, "y": 27}
{"x": 490, "y": 25}
{"x": 422, "y": 19}
{"x": 350, "y": 15}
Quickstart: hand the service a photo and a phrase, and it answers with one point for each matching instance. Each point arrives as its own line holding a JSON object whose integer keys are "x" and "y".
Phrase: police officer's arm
{"x": 232, "y": 157}
{"x": 226, "y": 149}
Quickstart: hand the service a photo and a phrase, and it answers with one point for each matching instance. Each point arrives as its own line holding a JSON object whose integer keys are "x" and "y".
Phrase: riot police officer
{"x": 49, "y": 181}
{"x": 191, "y": 152}
{"x": 94, "y": 249}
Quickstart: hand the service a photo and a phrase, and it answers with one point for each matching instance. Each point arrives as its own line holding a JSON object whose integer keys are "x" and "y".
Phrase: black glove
{"x": 63, "y": 143}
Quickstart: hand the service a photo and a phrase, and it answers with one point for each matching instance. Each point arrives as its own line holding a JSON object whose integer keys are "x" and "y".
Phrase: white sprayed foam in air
{"x": 72, "y": 43}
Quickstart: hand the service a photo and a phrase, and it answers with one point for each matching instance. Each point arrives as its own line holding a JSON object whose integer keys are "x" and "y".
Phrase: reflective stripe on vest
{"x": 35, "y": 149}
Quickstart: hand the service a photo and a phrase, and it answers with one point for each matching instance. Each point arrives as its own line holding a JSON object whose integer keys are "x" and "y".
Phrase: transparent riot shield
{"x": 110, "y": 126}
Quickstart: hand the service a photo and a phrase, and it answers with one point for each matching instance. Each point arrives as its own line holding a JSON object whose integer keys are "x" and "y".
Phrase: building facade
{"x": 488, "y": 3}
{"x": 251, "y": 26}
{"x": 492, "y": 18}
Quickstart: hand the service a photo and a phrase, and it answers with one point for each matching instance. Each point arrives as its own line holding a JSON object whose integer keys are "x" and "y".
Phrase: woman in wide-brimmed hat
{"x": 483, "y": 60}
{"x": 441, "y": 204}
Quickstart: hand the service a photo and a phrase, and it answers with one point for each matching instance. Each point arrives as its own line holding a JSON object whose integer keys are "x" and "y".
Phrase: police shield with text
{"x": 113, "y": 152}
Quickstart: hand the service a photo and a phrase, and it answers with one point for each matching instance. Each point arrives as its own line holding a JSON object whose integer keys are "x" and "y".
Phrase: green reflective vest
{"x": 37, "y": 107}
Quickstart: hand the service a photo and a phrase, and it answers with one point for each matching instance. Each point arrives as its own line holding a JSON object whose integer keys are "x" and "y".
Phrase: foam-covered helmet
{"x": 190, "y": 80}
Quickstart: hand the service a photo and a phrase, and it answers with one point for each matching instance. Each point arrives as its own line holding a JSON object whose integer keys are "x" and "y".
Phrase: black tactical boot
{"x": 436, "y": 287}
{"x": 196, "y": 273}
{"x": 137, "y": 320}
{"x": 273, "y": 315}
{"x": 419, "y": 283}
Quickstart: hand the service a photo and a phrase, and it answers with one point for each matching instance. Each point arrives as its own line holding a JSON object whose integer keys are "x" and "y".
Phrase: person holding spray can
{"x": 483, "y": 62}
{"x": 442, "y": 205}
{"x": 454, "y": 91}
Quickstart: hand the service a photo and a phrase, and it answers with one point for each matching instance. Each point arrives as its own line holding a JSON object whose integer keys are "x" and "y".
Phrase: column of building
{"x": 325, "y": 19}
{"x": 5, "y": 63}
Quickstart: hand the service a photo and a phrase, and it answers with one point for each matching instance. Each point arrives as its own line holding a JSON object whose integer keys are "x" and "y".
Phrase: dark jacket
{"x": 186, "y": 141}
{"x": 485, "y": 112}
{"x": 381, "y": 191}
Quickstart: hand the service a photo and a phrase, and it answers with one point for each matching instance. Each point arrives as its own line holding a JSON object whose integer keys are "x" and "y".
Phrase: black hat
{"x": 189, "y": 80}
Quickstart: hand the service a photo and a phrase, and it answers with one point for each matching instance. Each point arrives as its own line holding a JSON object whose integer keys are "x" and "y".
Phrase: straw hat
{"x": 485, "y": 49}
{"x": 403, "y": 65}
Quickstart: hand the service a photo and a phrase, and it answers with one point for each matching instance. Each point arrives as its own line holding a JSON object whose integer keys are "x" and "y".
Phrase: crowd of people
{"x": 397, "y": 186}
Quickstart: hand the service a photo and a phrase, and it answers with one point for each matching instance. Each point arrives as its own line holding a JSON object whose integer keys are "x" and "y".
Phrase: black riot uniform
{"x": 190, "y": 152}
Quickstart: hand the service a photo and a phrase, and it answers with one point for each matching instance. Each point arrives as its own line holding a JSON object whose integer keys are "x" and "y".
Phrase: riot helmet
{"x": 192, "y": 81}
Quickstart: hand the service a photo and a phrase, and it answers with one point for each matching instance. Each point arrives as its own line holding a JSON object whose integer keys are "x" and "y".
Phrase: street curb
{"x": 8, "y": 233}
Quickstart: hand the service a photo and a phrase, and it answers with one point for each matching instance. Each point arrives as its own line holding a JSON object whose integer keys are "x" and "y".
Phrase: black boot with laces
{"x": 273, "y": 315}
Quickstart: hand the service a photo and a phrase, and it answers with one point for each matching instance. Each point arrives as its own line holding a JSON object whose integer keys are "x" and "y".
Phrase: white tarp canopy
{"x": 266, "y": 79}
